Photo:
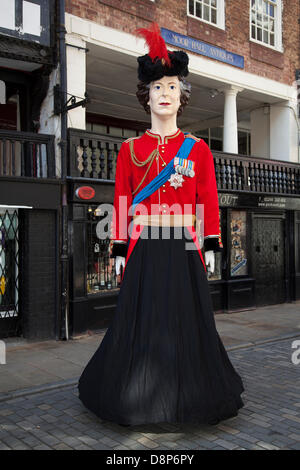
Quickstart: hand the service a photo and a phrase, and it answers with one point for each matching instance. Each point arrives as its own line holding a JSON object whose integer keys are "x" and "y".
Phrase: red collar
{"x": 167, "y": 137}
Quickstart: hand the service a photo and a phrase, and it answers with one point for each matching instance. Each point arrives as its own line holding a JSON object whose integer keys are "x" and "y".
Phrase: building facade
{"x": 244, "y": 60}
{"x": 67, "y": 104}
{"x": 30, "y": 192}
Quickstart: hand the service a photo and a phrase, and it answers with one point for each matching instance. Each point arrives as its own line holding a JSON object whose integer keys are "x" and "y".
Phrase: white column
{"x": 230, "y": 130}
{"x": 76, "y": 79}
{"x": 284, "y": 131}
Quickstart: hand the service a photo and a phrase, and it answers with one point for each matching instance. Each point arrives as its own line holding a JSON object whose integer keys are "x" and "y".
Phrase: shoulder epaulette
{"x": 191, "y": 136}
{"x": 131, "y": 138}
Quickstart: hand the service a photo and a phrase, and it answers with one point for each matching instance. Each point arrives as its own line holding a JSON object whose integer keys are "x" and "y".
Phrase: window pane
{"x": 191, "y": 7}
{"x": 206, "y": 13}
{"x": 115, "y": 131}
{"x": 265, "y": 22}
{"x": 129, "y": 133}
{"x": 272, "y": 39}
{"x": 259, "y": 34}
{"x": 214, "y": 16}
{"x": 266, "y": 37}
{"x": 242, "y": 143}
{"x": 203, "y": 133}
{"x": 265, "y": 7}
{"x": 101, "y": 128}
{"x": 253, "y": 32}
{"x": 259, "y": 19}
{"x": 214, "y": 3}
{"x": 216, "y": 132}
{"x": 239, "y": 265}
{"x": 198, "y": 10}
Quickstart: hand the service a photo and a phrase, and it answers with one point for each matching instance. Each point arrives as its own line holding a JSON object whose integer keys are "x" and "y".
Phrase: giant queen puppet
{"x": 161, "y": 359}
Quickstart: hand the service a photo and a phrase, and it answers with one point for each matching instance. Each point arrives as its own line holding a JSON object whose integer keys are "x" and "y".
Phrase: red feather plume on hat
{"x": 156, "y": 43}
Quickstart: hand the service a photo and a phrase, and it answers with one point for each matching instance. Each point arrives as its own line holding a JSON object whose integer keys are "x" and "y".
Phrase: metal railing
{"x": 27, "y": 154}
{"x": 237, "y": 172}
{"x": 94, "y": 155}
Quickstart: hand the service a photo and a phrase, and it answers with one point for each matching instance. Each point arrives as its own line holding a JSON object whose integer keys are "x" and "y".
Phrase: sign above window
{"x": 199, "y": 47}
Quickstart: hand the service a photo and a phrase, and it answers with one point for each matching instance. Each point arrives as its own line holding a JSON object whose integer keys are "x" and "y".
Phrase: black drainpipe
{"x": 64, "y": 311}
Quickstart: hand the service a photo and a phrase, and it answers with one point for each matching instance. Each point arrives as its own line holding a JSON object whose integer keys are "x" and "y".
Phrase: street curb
{"x": 71, "y": 382}
{"x": 275, "y": 339}
{"x": 37, "y": 389}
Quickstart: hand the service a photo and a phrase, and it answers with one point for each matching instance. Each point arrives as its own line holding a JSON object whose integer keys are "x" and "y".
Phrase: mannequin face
{"x": 164, "y": 96}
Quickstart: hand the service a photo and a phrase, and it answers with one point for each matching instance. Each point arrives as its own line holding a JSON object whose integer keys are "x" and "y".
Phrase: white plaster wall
{"x": 76, "y": 79}
{"x": 260, "y": 132}
{"x": 50, "y": 123}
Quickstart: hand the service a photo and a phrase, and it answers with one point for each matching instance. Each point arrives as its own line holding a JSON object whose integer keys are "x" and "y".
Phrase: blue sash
{"x": 164, "y": 175}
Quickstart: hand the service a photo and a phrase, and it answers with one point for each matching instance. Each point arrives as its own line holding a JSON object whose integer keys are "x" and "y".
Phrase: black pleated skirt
{"x": 161, "y": 359}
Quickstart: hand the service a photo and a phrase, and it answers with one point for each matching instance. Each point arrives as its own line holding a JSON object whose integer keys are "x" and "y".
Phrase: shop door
{"x": 268, "y": 259}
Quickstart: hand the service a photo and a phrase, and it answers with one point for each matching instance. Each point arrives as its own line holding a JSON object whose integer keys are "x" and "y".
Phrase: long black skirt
{"x": 161, "y": 359}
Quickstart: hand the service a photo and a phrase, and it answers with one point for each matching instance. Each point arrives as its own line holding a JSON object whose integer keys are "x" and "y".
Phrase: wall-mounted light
{"x": 213, "y": 93}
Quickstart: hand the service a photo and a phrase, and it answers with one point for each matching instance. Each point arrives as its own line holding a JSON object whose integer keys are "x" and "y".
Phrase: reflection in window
{"x": 238, "y": 265}
{"x": 100, "y": 268}
{"x": 264, "y": 16}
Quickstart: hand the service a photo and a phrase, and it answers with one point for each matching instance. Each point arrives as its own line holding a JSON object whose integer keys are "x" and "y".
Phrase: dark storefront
{"x": 29, "y": 260}
{"x": 30, "y": 193}
{"x": 260, "y": 224}
{"x": 258, "y": 264}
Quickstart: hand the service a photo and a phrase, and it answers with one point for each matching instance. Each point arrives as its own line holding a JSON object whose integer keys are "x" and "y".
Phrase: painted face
{"x": 164, "y": 96}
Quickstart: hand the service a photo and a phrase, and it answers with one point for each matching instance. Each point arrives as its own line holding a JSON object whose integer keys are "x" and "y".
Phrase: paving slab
{"x": 31, "y": 365}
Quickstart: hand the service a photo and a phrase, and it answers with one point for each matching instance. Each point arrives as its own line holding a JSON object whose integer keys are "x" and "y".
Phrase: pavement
{"x": 40, "y": 409}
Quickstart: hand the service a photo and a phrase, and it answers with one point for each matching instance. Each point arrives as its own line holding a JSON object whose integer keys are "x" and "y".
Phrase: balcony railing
{"x": 255, "y": 174}
{"x": 27, "y": 154}
{"x": 94, "y": 155}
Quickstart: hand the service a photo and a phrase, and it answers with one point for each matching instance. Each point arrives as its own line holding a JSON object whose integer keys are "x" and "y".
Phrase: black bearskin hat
{"x": 159, "y": 61}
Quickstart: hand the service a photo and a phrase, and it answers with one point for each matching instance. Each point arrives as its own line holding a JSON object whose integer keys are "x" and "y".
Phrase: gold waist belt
{"x": 169, "y": 220}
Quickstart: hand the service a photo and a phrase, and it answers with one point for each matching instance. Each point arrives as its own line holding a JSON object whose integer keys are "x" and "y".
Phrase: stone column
{"x": 230, "y": 130}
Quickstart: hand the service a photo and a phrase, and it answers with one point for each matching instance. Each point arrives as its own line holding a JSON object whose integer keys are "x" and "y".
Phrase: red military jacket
{"x": 132, "y": 176}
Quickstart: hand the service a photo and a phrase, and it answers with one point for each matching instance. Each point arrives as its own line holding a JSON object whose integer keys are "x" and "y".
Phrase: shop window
{"x": 244, "y": 142}
{"x": 9, "y": 263}
{"x": 238, "y": 262}
{"x": 216, "y": 138}
{"x": 100, "y": 268}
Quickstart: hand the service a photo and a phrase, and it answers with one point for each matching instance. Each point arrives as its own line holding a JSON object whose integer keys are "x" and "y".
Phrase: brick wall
{"x": 38, "y": 274}
{"x": 127, "y": 15}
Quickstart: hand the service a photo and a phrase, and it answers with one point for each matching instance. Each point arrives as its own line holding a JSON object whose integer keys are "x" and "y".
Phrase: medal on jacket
{"x": 183, "y": 166}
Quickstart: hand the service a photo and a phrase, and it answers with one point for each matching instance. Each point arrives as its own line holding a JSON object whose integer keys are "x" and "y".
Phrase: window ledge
{"x": 273, "y": 48}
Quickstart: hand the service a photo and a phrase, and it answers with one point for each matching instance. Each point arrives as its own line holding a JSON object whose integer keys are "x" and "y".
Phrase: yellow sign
{"x": 2, "y": 285}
